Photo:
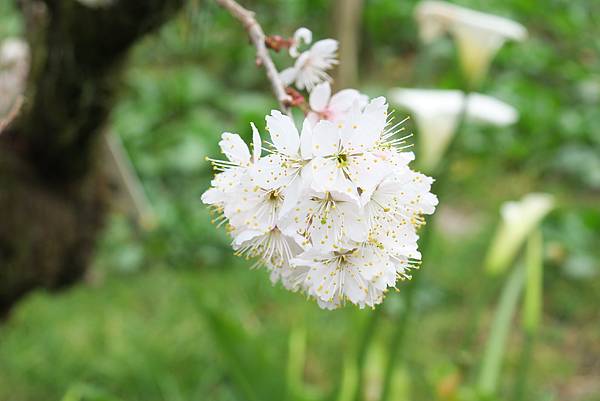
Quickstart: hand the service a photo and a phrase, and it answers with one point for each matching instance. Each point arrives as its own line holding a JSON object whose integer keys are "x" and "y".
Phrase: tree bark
{"x": 53, "y": 195}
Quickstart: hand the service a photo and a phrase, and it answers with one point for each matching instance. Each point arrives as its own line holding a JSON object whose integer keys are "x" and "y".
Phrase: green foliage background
{"x": 143, "y": 325}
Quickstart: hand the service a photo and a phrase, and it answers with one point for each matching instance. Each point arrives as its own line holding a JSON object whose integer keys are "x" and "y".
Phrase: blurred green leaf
{"x": 85, "y": 392}
{"x": 257, "y": 377}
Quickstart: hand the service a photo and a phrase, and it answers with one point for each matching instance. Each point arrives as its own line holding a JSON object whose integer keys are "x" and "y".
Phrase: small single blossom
{"x": 310, "y": 67}
{"x": 360, "y": 275}
{"x": 478, "y": 35}
{"x": 331, "y": 210}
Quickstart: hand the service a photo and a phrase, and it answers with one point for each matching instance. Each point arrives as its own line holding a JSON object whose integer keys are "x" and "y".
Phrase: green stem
{"x": 494, "y": 350}
{"x": 533, "y": 296}
{"x": 399, "y": 335}
{"x": 532, "y": 310}
{"x": 475, "y": 312}
{"x": 522, "y": 374}
{"x": 363, "y": 346}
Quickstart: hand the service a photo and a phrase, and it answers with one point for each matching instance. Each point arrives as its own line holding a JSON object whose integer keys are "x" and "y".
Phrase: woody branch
{"x": 257, "y": 36}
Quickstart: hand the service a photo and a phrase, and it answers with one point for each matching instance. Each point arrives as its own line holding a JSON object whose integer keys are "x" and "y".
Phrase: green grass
{"x": 144, "y": 336}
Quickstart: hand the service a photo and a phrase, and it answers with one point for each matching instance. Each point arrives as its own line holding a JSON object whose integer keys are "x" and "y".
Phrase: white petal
{"x": 283, "y": 132}
{"x": 448, "y": 16}
{"x": 376, "y": 113}
{"x": 328, "y": 177}
{"x": 428, "y": 102}
{"x": 367, "y": 170}
{"x": 360, "y": 134}
{"x": 325, "y": 47}
{"x": 491, "y": 110}
{"x": 256, "y": 143}
{"x": 245, "y": 236}
{"x": 354, "y": 222}
{"x": 291, "y": 195}
{"x": 313, "y": 118}
{"x": 325, "y": 138}
{"x": 288, "y": 75}
{"x": 319, "y": 97}
{"x": 306, "y": 140}
{"x": 235, "y": 148}
{"x": 213, "y": 196}
{"x": 303, "y": 34}
{"x": 343, "y": 100}
{"x": 271, "y": 172}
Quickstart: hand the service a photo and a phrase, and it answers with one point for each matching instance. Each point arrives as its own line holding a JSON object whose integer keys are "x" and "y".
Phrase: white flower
{"x": 272, "y": 247}
{"x": 328, "y": 221}
{"x": 333, "y": 108}
{"x": 479, "y": 35}
{"x": 234, "y": 169}
{"x": 344, "y": 158}
{"x": 519, "y": 219}
{"x": 332, "y": 211}
{"x": 395, "y": 210}
{"x": 309, "y": 68}
{"x": 359, "y": 275}
{"x": 437, "y": 113}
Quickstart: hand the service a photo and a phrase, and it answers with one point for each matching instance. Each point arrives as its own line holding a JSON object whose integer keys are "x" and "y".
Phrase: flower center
{"x": 342, "y": 160}
{"x": 274, "y": 195}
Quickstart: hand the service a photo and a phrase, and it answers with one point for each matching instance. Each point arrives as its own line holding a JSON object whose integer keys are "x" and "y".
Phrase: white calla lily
{"x": 437, "y": 114}
{"x": 478, "y": 35}
{"x": 519, "y": 219}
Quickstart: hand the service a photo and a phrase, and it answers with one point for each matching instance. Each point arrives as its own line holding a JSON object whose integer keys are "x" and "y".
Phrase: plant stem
{"x": 522, "y": 374}
{"x": 363, "y": 346}
{"x": 532, "y": 310}
{"x": 257, "y": 36}
{"x": 494, "y": 350}
{"x": 399, "y": 336}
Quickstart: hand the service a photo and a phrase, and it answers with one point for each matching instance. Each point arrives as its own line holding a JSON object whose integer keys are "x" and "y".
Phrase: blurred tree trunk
{"x": 347, "y": 16}
{"x": 53, "y": 194}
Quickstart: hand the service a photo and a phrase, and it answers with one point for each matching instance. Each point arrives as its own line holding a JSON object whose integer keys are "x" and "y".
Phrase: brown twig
{"x": 257, "y": 36}
{"x": 12, "y": 114}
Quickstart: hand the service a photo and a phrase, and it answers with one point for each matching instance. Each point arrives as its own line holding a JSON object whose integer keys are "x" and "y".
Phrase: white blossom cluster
{"x": 332, "y": 209}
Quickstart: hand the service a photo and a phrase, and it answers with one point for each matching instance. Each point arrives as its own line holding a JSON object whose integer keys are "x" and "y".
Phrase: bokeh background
{"x": 168, "y": 313}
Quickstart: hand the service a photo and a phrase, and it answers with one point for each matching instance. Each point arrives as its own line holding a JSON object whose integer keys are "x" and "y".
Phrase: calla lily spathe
{"x": 437, "y": 114}
{"x": 519, "y": 219}
{"x": 478, "y": 35}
